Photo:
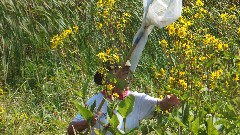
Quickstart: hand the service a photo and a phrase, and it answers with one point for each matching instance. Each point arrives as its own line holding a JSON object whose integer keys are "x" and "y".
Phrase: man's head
{"x": 113, "y": 71}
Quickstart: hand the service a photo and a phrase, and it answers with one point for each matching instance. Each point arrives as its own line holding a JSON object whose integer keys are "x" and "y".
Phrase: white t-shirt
{"x": 144, "y": 105}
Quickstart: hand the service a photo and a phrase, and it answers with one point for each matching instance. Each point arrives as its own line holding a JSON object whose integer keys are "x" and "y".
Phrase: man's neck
{"x": 122, "y": 95}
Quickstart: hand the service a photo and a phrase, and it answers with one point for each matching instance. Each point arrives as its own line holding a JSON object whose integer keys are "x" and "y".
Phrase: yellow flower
{"x": 199, "y": 3}
{"x": 115, "y": 95}
{"x": 99, "y": 25}
{"x": 109, "y": 87}
{"x": 208, "y": 39}
{"x": 188, "y": 53}
{"x": 233, "y": 17}
{"x": 99, "y": 3}
{"x": 171, "y": 29}
{"x": 203, "y": 10}
{"x": 188, "y": 23}
{"x": 171, "y": 79}
{"x": 1, "y": 91}
{"x": 75, "y": 29}
{"x": 116, "y": 57}
{"x": 56, "y": 40}
{"x": 124, "y": 20}
{"x": 202, "y": 58}
{"x": 119, "y": 26}
{"x": 181, "y": 19}
{"x": 66, "y": 33}
{"x": 198, "y": 83}
{"x": 227, "y": 84}
{"x": 160, "y": 74}
{"x": 182, "y": 32}
{"x": 106, "y": 13}
{"x": 220, "y": 47}
{"x": 186, "y": 9}
{"x": 233, "y": 8}
{"x": 181, "y": 73}
{"x": 163, "y": 43}
{"x": 2, "y": 110}
{"x": 162, "y": 71}
{"x": 111, "y": 2}
{"x": 215, "y": 75}
{"x": 24, "y": 115}
{"x": 108, "y": 51}
{"x": 197, "y": 15}
{"x": 225, "y": 46}
{"x": 239, "y": 31}
{"x": 236, "y": 78}
{"x": 224, "y": 17}
{"x": 102, "y": 56}
{"x": 213, "y": 85}
{"x": 126, "y": 14}
{"x": 161, "y": 97}
{"x": 183, "y": 83}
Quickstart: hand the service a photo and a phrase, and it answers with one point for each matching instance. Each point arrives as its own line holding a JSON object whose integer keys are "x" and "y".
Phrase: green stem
{"x": 124, "y": 122}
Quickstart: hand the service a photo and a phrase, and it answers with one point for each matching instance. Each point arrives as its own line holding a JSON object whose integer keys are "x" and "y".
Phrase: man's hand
{"x": 169, "y": 103}
{"x": 78, "y": 126}
{"x": 96, "y": 117}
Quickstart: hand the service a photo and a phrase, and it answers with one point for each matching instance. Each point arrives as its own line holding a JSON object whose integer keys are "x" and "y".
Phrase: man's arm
{"x": 168, "y": 103}
{"x": 78, "y": 126}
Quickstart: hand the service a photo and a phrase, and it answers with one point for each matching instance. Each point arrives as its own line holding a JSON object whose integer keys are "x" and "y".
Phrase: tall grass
{"x": 37, "y": 82}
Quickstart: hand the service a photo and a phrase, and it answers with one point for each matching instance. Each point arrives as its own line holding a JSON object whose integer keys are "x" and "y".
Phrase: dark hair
{"x": 99, "y": 77}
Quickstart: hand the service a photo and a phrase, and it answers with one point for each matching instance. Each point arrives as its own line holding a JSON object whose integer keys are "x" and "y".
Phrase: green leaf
{"x": 170, "y": 133}
{"x": 185, "y": 96}
{"x": 221, "y": 121}
{"x": 133, "y": 131}
{"x": 186, "y": 114}
{"x": 79, "y": 93}
{"x": 93, "y": 106}
{"x": 211, "y": 130}
{"x": 126, "y": 106}
{"x": 144, "y": 129}
{"x": 174, "y": 91}
{"x": 190, "y": 118}
{"x": 97, "y": 131}
{"x": 120, "y": 83}
{"x": 85, "y": 113}
{"x": 179, "y": 122}
{"x": 230, "y": 107}
{"x": 84, "y": 89}
{"x": 195, "y": 126}
{"x": 210, "y": 63}
{"x": 147, "y": 129}
{"x": 109, "y": 112}
{"x": 114, "y": 122}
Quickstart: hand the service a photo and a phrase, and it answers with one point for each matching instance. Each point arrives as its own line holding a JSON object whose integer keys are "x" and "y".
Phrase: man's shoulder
{"x": 136, "y": 94}
{"x": 142, "y": 96}
{"x": 96, "y": 97}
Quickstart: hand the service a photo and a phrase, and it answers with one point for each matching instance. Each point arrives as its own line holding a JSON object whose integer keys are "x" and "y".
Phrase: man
{"x": 144, "y": 105}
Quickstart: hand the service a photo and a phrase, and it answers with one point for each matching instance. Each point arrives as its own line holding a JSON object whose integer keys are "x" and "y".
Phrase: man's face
{"x": 117, "y": 78}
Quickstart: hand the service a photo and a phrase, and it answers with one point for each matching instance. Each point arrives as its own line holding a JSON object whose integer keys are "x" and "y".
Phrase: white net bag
{"x": 161, "y": 13}
{"x": 158, "y": 13}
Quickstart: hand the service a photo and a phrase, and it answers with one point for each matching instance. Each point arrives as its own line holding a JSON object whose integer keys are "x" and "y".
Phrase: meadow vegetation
{"x": 48, "y": 52}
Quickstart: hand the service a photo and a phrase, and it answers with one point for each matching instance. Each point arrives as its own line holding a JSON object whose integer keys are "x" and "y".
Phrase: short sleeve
{"x": 144, "y": 105}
